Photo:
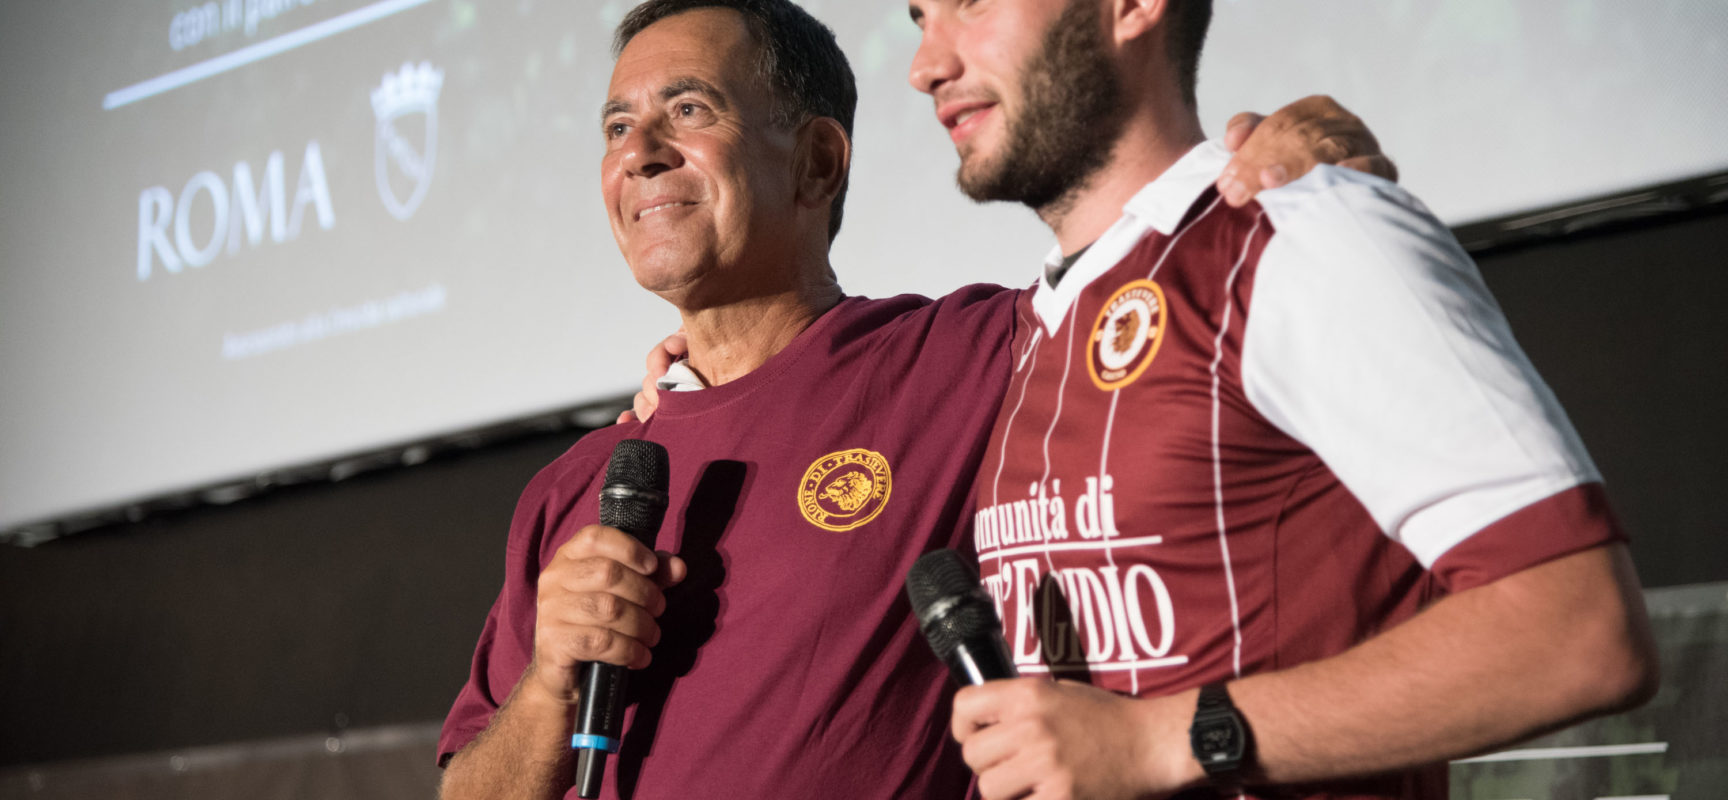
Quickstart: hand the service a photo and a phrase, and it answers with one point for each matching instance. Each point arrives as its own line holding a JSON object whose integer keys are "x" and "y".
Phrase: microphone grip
{"x": 980, "y": 659}
{"x": 599, "y": 718}
{"x": 600, "y": 709}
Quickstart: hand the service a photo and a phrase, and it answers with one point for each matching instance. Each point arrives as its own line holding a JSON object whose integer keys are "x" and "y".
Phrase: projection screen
{"x": 242, "y": 235}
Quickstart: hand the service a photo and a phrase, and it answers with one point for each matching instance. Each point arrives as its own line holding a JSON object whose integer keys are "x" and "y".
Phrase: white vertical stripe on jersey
{"x": 1109, "y": 541}
{"x": 1217, "y": 457}
{"x": 1002, "y": 457}
{"x": 1178, "y": 237}
{"x": 1061, "y": 395}
{"x": 1110, "y": 419}
{"x": 1031, "y": 324}
{"x": 1104, "y": 468}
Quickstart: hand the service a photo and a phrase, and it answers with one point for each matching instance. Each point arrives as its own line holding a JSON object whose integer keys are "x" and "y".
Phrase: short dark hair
{"x": 1188, "y": 21}
{"x": 797, "y": 58}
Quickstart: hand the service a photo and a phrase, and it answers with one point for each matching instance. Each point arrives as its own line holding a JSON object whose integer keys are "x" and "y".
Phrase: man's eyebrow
{"x": 679, "y": 86}
{"x": 692, "y": 85}
{"x": 613, "y": 106}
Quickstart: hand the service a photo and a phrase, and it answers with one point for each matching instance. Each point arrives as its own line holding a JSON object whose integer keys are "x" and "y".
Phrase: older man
{"x": 1301, "y": 512}
{"x": 825, "y": 453}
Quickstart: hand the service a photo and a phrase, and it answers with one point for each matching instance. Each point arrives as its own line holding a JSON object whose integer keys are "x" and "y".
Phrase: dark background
{"x": 355, "y": 604}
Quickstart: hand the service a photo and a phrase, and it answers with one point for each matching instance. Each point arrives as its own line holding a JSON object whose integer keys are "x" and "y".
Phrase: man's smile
{"x": 964, "y": 118}
{"x": 658, "y": 205}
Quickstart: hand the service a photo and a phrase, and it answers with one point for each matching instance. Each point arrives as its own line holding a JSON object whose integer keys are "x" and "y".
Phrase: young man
{"x": 1273, "y": 487}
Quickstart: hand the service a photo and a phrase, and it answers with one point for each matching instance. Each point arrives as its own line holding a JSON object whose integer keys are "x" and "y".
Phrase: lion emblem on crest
{"x": 844, "y": 490}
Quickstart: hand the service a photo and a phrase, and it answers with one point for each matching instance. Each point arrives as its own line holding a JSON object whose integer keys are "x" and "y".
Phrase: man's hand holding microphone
{"x": 1034, "y": 737}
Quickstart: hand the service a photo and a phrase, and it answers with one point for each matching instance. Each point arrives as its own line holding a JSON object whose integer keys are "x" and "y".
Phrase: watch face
{"x": 1218, "y": 740}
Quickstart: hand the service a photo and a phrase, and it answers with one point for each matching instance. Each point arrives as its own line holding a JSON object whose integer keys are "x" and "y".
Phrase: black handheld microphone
{"x": 957, "y": 618}
{"x": 633, "y": 501}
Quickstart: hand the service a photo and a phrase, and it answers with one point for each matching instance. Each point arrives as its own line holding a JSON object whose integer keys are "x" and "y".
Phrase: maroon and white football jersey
{"x": 1241, "y": 439}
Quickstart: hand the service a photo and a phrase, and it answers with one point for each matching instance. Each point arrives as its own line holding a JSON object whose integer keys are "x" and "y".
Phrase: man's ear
{"x": 824, "y": 159}
{"x": 1131, "y": 20}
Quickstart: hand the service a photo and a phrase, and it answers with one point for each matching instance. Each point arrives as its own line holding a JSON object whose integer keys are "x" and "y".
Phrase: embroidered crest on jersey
{"x": 844, "y": 490}
{"x": 1127, "y": 334}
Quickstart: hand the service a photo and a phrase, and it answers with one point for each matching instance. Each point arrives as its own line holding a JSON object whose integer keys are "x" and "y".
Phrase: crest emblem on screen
{"x": 406, "y": 105}
{"x": 844, "y": 490}
{"x": 1125, "y": 338}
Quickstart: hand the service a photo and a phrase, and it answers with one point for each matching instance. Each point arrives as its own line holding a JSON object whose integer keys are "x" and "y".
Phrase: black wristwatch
{"x": 1220, "y": 738}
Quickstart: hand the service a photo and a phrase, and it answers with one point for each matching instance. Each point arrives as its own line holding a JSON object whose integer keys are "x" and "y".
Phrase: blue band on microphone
{"x": 588, "y": 741}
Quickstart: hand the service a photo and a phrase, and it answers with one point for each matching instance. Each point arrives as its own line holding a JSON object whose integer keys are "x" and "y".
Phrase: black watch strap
{"x": 1220, "y": 737}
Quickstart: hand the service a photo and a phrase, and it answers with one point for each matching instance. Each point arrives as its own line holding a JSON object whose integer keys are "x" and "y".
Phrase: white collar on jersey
{"x": 1159, "y": 205}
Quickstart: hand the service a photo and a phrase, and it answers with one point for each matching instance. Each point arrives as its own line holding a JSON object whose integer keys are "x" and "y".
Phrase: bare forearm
{"x": 1479, "y": 670}
{"x": 524, "y": 754}
{"x": 596, "y": 601}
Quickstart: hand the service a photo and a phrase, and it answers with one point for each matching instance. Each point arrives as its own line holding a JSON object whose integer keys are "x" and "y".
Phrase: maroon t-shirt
{"x": 801, "y": 494}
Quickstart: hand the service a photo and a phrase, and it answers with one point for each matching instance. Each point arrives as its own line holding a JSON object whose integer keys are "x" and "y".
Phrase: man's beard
{"x": 1070, "y": 117}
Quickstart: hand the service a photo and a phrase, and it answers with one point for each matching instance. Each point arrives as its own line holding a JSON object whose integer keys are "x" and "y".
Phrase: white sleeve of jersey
{"x": 1372, "y": 339}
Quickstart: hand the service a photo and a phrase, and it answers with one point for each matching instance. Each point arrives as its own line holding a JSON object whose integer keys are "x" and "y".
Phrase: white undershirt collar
{"x": 680, "y": 378}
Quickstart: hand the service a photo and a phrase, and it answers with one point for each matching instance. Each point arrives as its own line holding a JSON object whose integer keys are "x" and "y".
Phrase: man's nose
{"x": 935, "y": 62}
{"x": 648, "y": 152}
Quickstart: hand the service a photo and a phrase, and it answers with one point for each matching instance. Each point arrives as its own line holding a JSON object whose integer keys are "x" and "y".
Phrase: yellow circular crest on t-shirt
{"x": 844, "y": 490}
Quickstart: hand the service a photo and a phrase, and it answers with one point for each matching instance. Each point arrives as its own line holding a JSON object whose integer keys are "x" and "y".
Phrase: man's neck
{"x": 1150, "y": 143}
{"x": 730, "y": 341}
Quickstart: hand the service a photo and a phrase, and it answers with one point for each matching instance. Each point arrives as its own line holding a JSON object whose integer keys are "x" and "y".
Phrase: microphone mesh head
{"x": 640, "y": 468}
{"x": 935, "y": 575}
{"x": 950, "y": 605}
{"x": 970, "y": 620}
{"x": 638, "y": 464}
